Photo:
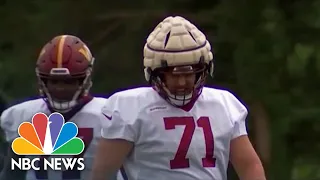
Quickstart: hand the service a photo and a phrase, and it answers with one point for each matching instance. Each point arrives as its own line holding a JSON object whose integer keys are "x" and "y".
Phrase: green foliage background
{"x": 267, "y": 51}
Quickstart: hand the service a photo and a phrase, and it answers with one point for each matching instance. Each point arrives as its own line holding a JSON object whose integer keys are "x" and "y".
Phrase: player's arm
{"x": 9, "y": 124}
{"x": 110, "y": 155}
{"x": 118, "y": 137}
{"x": 6, "y": 172}
{"x": 245, "y": 160}
{"x": 242, "y": 154}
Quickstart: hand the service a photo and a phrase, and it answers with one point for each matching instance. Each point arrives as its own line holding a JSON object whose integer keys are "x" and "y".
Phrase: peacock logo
{"x": 48, "y": 136}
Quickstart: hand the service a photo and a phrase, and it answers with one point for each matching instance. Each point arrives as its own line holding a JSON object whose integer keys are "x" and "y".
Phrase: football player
{"x": 177, "y": 129}
{"x": 63, "y": 69}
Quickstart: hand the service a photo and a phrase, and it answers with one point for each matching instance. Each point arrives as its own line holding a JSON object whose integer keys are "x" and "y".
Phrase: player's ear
{"x": 147, "y": 74}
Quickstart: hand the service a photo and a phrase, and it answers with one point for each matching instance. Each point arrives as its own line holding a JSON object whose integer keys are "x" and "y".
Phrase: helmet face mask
{"x": 64, "y": 71}
{"x": 63, "y": 93}
{"x": 62, "y": 89}
{"x": 180, "y": 84}
{"x": 177, "y": 60}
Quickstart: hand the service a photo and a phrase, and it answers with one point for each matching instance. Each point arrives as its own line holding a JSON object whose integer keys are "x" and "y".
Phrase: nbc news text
{"x": 50, "y": 163}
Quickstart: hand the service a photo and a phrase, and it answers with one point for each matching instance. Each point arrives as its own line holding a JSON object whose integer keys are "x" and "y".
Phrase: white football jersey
{"x": 89, "y": 130}
{"x": 171, "y": 143}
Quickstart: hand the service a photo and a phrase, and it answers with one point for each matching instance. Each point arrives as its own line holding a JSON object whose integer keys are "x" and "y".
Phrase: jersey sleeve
{"x": 119, "y": 120}
{"x": 9, "y": 122}
{"x": 238, "y": 114}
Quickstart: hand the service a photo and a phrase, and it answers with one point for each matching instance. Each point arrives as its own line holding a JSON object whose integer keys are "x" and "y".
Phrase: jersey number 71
{"x": 180, "y": 160}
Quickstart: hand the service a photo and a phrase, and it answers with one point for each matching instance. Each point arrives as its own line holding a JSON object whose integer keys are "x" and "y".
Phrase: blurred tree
{"x": 266, "y": 52}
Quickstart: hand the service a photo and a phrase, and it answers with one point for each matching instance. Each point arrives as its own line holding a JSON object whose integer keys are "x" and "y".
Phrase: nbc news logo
{"x": 45, "y": 138}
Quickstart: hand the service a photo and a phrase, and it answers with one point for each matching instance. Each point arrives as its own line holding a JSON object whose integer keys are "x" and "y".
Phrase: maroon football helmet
{"x": 64, "y": 69}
